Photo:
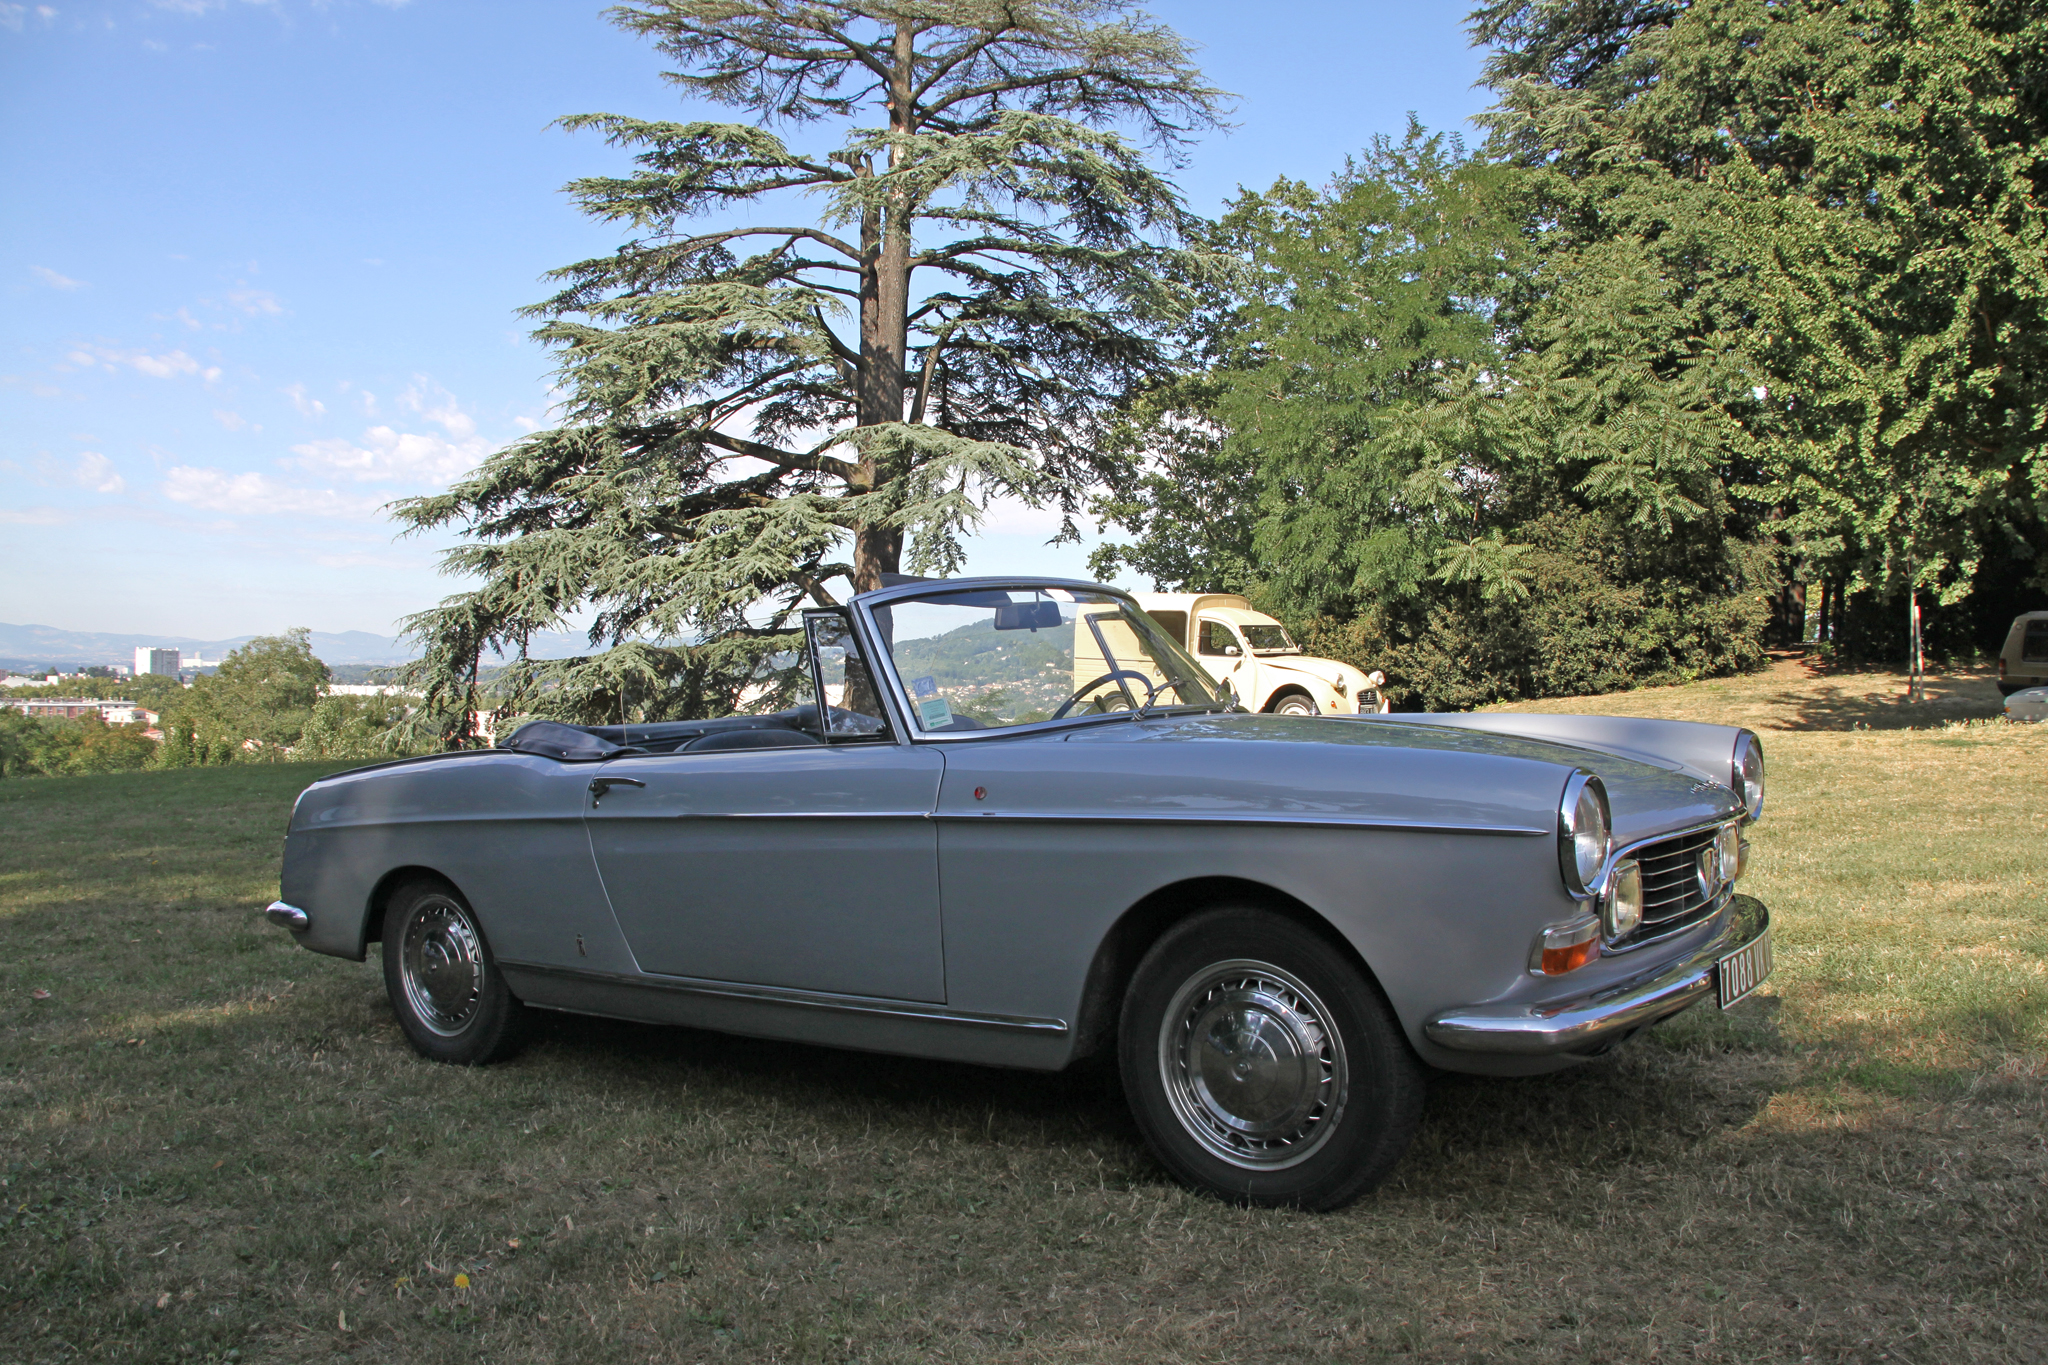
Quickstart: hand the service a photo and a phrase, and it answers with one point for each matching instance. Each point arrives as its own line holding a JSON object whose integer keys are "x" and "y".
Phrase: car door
{"x": 812, "y": 868}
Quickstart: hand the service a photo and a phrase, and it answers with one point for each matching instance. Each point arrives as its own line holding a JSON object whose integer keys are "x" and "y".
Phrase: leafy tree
{"x": 32, "y": 746}
{"x": 790, "y": 398}
{"x": 352, "y": 727}
{"x": 1838, "y": 209}
{"x": 264, "y": 691}
{"x": 1402, "y": 445}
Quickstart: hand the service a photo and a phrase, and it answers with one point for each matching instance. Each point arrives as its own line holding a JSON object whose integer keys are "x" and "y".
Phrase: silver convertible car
{"x": 1017, "y": 825}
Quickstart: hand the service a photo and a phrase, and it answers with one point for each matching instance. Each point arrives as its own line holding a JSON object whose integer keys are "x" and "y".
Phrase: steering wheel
{"x": 1111, "y": 676}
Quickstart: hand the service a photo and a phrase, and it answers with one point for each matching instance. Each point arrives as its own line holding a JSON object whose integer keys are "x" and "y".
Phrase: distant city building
{"x": 366, "y": 690}
{"x": 160, "y": 661}
{"x": 71, "y": 708}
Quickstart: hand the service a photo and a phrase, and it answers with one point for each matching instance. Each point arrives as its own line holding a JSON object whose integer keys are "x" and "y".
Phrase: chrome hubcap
{"x": 1252, "y": 1068}
{"x": 442, "y": 964}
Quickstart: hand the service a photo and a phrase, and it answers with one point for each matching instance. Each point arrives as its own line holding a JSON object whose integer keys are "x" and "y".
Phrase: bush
{"x": 33, "y": 747}
{"x": 1592, "y": 622}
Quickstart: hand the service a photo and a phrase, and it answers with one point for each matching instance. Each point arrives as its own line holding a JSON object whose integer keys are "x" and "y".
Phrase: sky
{"x": 261, "y": 261}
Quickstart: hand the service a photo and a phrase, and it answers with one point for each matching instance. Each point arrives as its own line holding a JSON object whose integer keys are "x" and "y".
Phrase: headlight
{"x": 1728, "y": 852}
{"x": 1748, "y": 777}
{"x": 1584, "y": 836}
{"x": 1622, "y": 908}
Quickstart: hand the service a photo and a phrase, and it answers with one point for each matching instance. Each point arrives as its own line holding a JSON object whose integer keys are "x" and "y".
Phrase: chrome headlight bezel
{"x": 1746, "y": 774}
{"x": 1585, "y": 834}
{"x": 1621, "y": 904}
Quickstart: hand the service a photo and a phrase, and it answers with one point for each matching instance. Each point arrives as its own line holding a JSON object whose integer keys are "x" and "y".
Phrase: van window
{"x": 1217, "y": 638}
{"x": 2034, "y": 649}
{"x": 1174, "y": 623}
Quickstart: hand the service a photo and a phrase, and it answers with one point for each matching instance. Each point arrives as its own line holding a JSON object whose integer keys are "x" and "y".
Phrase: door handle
{"x": 600, "y": 785}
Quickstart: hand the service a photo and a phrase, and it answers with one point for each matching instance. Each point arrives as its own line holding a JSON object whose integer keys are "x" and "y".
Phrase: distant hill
{"x": 24, "y": 646}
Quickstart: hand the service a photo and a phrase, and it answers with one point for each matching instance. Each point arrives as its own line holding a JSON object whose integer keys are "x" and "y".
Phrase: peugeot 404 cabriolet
{"x": 1018, "y": 825}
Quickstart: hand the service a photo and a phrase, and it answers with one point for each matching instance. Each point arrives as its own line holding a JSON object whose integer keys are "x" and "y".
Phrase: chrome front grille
{"x": 1673, "y": 897}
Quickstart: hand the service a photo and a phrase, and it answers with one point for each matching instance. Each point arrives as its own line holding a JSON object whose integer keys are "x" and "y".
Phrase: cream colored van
{"x": 2024, "y": 660}
{"x": 1254, "y": 654}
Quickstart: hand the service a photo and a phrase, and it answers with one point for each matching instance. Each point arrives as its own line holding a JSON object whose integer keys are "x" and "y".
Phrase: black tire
{"x": 444, "y": 985}
{"x": 1263, "y": 1066}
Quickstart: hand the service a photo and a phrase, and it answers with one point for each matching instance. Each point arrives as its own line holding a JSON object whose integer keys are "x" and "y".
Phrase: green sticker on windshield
{"x": 934, "y": 713}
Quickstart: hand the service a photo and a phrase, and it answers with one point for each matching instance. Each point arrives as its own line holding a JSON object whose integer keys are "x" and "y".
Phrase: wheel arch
{"x": 387, "y": 887}
{"x": 1138, "y": 928}
{"x": 1286, "y": 690}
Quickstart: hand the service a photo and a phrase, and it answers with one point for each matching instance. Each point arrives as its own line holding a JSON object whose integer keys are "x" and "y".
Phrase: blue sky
{"x": 259, "y": 264}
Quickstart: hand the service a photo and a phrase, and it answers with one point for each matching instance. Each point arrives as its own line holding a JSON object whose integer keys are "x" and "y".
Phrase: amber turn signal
{"x": 1566, "y": 947}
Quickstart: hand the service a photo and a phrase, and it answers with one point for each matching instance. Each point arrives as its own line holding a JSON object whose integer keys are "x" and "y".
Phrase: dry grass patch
{"x": 218, "y": 1147}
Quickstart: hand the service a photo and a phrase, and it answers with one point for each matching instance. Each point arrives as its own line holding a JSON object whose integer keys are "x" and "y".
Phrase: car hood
{"x": 1648, "y": 795}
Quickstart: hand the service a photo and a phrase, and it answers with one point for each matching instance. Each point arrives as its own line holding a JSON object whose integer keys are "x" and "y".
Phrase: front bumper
{"x": 1589, "y": 1022}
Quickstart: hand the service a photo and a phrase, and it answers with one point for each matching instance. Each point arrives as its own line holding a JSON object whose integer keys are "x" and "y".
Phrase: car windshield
{"x": 985, "y": 660}
{"x": 1269, "y": 640}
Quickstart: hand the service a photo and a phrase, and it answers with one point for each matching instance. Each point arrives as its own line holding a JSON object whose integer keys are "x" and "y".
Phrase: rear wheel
{"x": 1263, "y": 1067}
{"x": 444, "y": 985}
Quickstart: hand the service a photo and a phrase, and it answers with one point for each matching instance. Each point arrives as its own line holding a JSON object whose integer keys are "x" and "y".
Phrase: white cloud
{"x": 436, "y": 404}
{"x": 216, "y": 490}
{"x": 166, "y": 366}
{"x": 34, "y": 516}
{"x": 53, "y": 279}
{"x": 253, "y": 301}
{"x": 384, "y": 453}
{"x": 307, "y": 406}
{"x": 233, "y": 421}
{"x": 95, "y": 471}
{"x": 10, "y": 16}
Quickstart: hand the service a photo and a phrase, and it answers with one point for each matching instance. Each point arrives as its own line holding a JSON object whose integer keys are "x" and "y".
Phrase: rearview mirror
{"x": 1036, "y": 615}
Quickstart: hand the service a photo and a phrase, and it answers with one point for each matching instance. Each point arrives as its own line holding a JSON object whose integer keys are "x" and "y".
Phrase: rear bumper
{"x": 1589, "y": 1022}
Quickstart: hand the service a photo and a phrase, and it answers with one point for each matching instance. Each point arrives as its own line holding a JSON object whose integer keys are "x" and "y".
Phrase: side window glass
{"x": 1216, "y": 638}
{"x": 848, "y": 700}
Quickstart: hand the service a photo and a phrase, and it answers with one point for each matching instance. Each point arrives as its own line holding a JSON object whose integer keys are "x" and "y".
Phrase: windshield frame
{"x": 884, "y": 658}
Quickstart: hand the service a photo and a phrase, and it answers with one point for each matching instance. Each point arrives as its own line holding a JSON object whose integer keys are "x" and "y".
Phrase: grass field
{"x": 217, "y": 1147}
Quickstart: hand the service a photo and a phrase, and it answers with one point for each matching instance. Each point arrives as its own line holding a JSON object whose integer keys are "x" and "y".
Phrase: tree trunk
{"x": 884, "y": 314}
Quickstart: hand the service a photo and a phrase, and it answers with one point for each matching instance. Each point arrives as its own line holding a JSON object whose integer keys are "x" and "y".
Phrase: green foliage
{"x": 830, "y": 384}
{"x": 1833, "y": 217}
{"x": 1446, "y": 460}
{"x": 255, "y": 705}
{"x": 352, "y": 727}
{"x": 35, "y": 747}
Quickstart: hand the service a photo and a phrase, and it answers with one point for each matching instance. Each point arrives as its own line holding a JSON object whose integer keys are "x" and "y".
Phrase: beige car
{"x": 2023, "y": 662}
{"x": 1254, "y": 654}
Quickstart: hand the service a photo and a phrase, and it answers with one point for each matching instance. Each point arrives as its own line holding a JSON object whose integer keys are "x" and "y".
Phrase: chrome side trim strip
{"x": 286, "y": 916}
{"x": 1586, "y": 1022}
{"x": 782, "y": 995}
{"x": 788, "y": 815}
{"x": 1236, "y": 818}
{"x": 1099, "y": 817}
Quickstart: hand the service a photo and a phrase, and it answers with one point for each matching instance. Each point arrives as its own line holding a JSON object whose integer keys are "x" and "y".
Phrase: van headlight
{"x": 1748, "y": 776}
{"x": 1584, "y": 834}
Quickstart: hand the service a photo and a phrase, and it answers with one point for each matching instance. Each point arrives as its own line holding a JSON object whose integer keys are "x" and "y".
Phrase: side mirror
{"x": 1230, "y": 651}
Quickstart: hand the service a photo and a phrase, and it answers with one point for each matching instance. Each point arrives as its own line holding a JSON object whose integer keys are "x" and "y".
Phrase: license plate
{"x": 1743, "y": 970}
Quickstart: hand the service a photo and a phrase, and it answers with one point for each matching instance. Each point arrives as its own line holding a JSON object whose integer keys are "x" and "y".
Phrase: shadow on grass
{"x": 1082, "y": 1104}
{"x": 1648, "y": 1098}
{"x": 1874, "y": 701}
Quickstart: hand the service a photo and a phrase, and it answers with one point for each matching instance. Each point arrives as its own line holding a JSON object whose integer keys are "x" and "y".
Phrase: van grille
{"x": 1672, "y": 895}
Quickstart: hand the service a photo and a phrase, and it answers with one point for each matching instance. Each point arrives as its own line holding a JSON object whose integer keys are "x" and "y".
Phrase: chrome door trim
{"x": 801, "y": 999}
{"x": 1237, "y": 818}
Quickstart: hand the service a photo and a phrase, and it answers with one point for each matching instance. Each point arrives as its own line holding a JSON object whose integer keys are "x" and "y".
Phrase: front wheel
{"x": 1295, "y": 704}
{"x": 1263, "y": 1067}
{"x": 444, "y": 985}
